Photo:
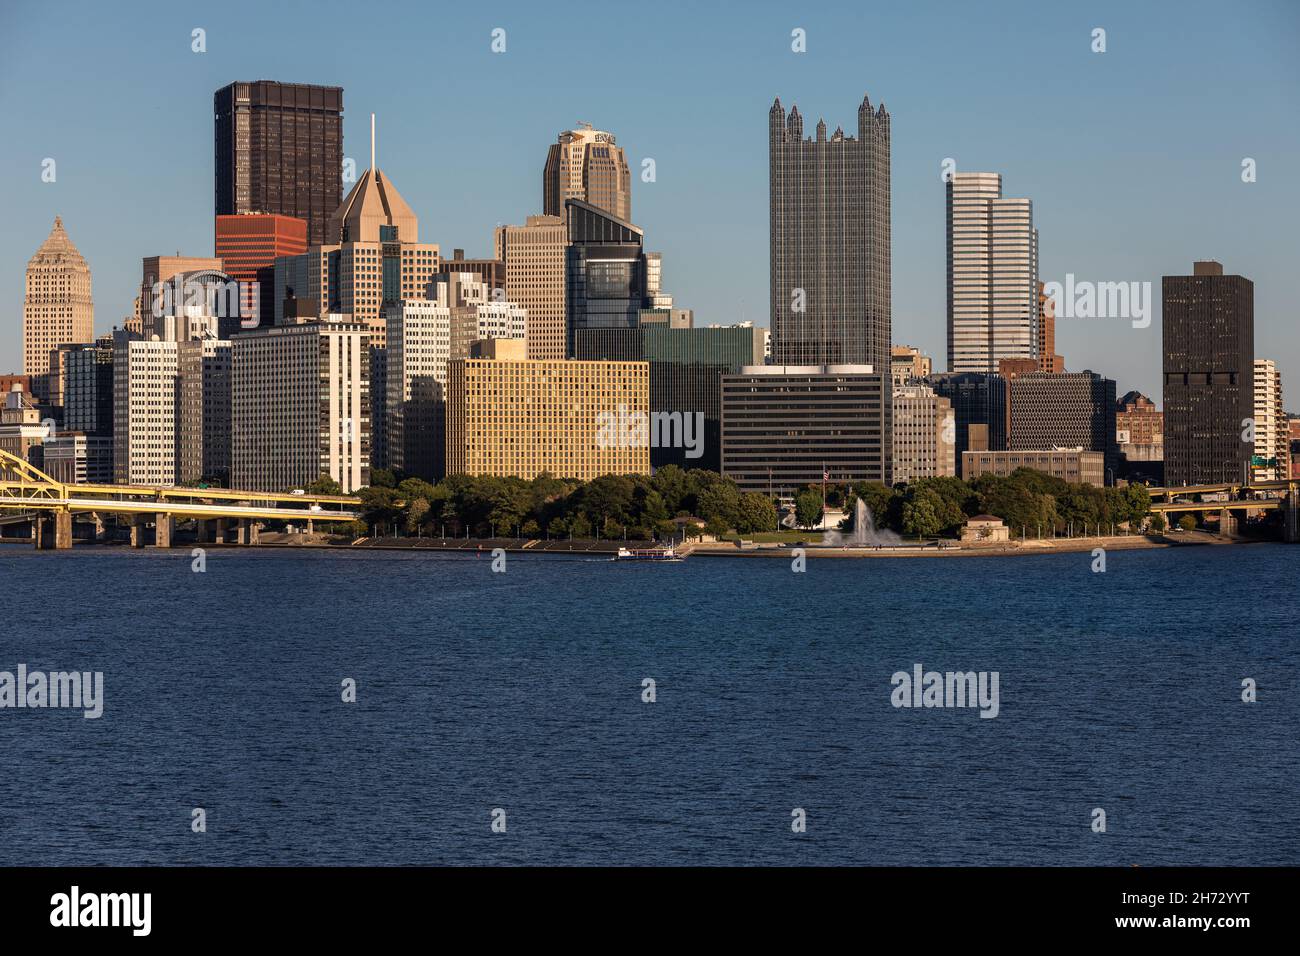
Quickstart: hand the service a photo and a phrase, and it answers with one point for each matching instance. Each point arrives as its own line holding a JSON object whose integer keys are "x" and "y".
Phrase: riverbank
{"x": 951, "y": 549}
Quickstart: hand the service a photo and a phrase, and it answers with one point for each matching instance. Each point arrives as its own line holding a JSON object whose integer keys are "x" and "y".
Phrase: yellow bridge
{"x": 42, "y": 500}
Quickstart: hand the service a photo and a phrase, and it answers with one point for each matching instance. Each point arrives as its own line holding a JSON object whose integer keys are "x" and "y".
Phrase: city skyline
{"x": 1122, "y": 191}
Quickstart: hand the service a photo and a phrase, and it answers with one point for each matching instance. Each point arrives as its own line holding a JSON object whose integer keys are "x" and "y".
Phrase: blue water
{"x": 522, "y": 691}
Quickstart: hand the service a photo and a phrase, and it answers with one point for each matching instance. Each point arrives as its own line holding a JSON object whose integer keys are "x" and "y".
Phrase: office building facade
{"x": 57, "y": 306}
{"x": 279, "y": 150}
{"x": 203, "y": 402}
{"x": 981, "y": 406}
{"x": 535, "y": 257}
{"x": 1208, "y": 325}
{"x": 993, "y": 293}
{"x": 925, "y": 431}
{"x": 587, "y": 164}
{"x": 1074, "y": 465}
{"x": 145, "y": 410}
{"x": 1067, "y": 410}
{"x": 300, "y": 405}
{"x": 784, "y": 427}
{"x": 829, "y": 200}
{"x": 508, "y": 415}
{"x": 248, "y": 246}
{"x": 1271, "y": 457}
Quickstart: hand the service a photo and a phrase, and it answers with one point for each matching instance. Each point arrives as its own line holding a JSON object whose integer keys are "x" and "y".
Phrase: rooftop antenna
{"x": 372, "y": 143}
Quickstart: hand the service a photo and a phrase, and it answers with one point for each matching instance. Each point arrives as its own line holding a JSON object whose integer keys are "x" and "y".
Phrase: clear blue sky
{"x": 1132, "y": 157}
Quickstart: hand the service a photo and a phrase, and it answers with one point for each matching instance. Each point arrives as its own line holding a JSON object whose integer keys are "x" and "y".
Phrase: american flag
{"x": 826, "y": 475}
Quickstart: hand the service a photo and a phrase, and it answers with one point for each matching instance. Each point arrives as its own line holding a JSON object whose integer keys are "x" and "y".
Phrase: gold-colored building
{"x": 534, "y": 254}
{"x": 512, "y": 416}
{"x": 57, "y": 308}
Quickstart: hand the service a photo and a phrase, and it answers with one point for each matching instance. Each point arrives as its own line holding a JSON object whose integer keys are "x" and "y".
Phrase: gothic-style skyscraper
{"x": 830, "y": 235}
{"x": 57, "y": 309}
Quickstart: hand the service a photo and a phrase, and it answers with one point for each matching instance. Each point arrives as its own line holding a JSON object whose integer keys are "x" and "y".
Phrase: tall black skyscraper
{"x": 279, "y": 149}
{"x": 830, "y": 268}
{"x": 1209, "y": 343}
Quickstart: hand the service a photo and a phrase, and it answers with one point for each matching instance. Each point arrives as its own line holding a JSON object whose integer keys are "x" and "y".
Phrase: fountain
{"x": 864, "y": 533}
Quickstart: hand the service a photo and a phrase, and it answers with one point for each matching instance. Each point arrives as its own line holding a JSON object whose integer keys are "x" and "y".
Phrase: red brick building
{"x": 248, "y": 245}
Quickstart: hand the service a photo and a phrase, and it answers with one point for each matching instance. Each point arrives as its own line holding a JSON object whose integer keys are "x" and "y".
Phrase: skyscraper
{"x": 589, "y": 165}
{"x": 1208, "y": 322}
{"x": 279, "y": 149}
{"x": 372, "y": 256}
{"x": 830, "y": 236}
{"x": 605, "y": 272}
{"x": 993, "y": 304}
{"x": 534, "y": 254}
{"x": 57, "y": 307}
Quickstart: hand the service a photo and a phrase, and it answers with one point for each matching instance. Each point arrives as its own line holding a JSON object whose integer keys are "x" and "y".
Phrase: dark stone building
{"x": 1208, "y": 322}
{"x": 279, "y": 149}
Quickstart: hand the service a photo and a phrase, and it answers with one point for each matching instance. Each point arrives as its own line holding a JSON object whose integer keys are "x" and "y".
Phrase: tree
{"x": 807, "y": 508}
{"x": 921, "y": 517}
{"x": 416, "y": 511}
{"x": 757, "y": 513}
{"x": 1157, "y": 522}
{"x": 324, "y": 485}
{"x": 1187, "y": 522}
{"x": 716, "y": 527}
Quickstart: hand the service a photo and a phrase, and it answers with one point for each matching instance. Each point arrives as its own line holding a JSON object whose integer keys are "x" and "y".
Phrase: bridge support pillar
{"x": 248, "y": 531}
{"x": 137, "y": 532}
{"x": 1291, "y": 517}
{"x": 62, "y": 530}
{"x": 165, "y": 526}
{"x": 38, "y": 531}
{"x": 219, "y": 535}
{"x": 99, "y": 526}
{"x": 1227, "y": 522}
{"x": 200, "y": 531}
{"x": 311, "y": 526}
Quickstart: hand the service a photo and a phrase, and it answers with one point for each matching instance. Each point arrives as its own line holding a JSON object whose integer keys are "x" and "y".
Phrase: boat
{"x": 648, "y": 554}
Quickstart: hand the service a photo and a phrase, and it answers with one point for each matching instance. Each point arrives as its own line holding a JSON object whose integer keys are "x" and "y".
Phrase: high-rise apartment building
{"x": 57, "y": 306}
{"x": 512, "y": 416}
{"x": 279, "y": 150}
{"x": 784, "y": 427}
{"x": 248, "y": 246}
{"x": 993, "y": 292}
{"x": 1208, "y": 322}
{"x": 535, "y": 256}
{"x": 830, "y": 241}
{"x": 1271, "y": 458}
{"x": 589, "y": 165}
{"x": 318, "y": 423}
{"x": 925, "y": 434}
{"x": 203, "y": 407}
{"x": 145, "y": 410}
{"x": 1069, "y": 410}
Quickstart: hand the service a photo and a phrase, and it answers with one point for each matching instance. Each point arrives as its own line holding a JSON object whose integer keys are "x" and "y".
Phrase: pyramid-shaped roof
{"x": 57, "y": 249}
{"x": 373, "y": 202}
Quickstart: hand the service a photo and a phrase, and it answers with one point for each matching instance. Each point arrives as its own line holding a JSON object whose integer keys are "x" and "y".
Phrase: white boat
{"x": 648, "y": 554}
